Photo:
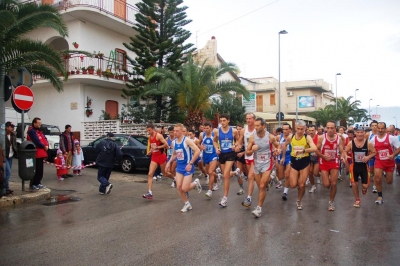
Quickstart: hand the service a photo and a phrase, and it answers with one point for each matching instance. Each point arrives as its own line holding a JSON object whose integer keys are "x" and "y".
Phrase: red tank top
{"x": 330, "y": 148}
{"x": 154, "y": 143}
{"x": 383, "y": 149}
{"x": 315, "y": 139}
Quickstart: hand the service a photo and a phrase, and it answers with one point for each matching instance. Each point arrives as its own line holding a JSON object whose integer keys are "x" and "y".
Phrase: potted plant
{"x": 89, "y": 112}
{"x": 77, "y": 70}
{"x": 126, "y": 77}
{"x": 84, "y": 70}
{"x": 72, "y": 72}
{"x": 106, "y": 74}
{"x": 75, "y": 45}
{"x": 91, "y": 70}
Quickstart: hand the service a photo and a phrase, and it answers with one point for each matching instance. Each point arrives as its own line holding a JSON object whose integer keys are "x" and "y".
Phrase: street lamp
{"x": 337, "y": 74}
{"x": 369, "y": 108}
{"x": 279, "y": 75}
{"x": 355, "y": 94}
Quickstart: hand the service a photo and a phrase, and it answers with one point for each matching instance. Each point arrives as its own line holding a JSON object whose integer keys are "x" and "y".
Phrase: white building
{"x": 100, "y": 26}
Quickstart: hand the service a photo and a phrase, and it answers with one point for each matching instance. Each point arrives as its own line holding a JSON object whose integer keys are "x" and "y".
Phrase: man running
{"x": 169, "y": 140}
{"x": 330, "y": 145}
{"x": 302, "y": 146}
{"x": 314, "y": 167}
{"x": 156, "y": 146}
{"x": 185, "y": 152}
{"x": 370, "y": 135}
{"x": 261, "y": 145}
{"x": 361, "y": 151}
{"x": 224, "y": 143}
{"x": 284, "y": 165}
{"x": 384, "y": 159}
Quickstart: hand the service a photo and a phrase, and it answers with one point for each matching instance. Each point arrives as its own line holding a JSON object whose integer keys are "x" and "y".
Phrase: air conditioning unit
{"x": 290, "y": 93}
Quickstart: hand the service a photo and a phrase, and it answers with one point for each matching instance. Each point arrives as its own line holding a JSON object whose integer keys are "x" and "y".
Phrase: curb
{"x": 42, "y": 194}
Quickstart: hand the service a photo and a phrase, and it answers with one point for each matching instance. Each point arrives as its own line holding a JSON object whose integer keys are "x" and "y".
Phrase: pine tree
{"x": 159, "y": 42}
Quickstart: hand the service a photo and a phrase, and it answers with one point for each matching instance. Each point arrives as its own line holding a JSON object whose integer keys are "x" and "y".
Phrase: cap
{"x": 10, "y": 124}
{"x": 59, "y": 151}
{"x": 359, "y": 128}
{"x": 110, "y": 135}
{"x": 76, "y": 142}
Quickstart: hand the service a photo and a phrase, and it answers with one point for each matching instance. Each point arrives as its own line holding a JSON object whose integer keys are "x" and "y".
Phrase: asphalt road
{"x": 123, "y": 229}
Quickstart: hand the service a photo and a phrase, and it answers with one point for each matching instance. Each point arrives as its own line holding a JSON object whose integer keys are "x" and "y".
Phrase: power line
{"x": 258, "y": 9}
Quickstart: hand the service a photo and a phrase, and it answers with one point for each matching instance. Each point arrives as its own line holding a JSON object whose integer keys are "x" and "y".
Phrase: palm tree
{"x": 193, "y": 86}
{"x": 348, "y": 111}
{"x": 324, "y": 115}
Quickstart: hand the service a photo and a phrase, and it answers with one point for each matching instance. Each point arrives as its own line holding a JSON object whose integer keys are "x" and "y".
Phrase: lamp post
{"x": 279, "y": 75}
{"x": 355, "y": 94}
{"x": 337, "y": 74}
{"x": 369, "y": 108}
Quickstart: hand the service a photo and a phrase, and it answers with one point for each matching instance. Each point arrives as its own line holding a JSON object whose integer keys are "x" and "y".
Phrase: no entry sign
{"x": 23, "y": 97}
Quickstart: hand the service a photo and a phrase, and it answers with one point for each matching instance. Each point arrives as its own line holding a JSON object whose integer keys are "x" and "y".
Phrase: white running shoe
{"x": 374, "y": 190}
{"x": 215, "y": 187}
{"x": 257, "y": 212}
{"x": 198, "y": 185}
{"x": 209, "y": 194}
{"x": 173, "y": 184}
{"x": 187, "y": 207}
{"x": 308, "y": 181}
{"x": 240, "y": 192}
{"x": 201, "y": 175}
{"x": 223, "y": 202}
{"x": 219, "y": 179}
{"x": 154, "y": 177}
{"x": 313, "y": 189}
{"x": 207, "y": 179}
{"x": 318, "y": 180}
{"x": 237, "y": 172}
{"x": 218, "y": 170}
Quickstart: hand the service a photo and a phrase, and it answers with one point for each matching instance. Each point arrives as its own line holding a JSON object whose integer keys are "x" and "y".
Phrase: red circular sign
{"x": 23, "y": 97}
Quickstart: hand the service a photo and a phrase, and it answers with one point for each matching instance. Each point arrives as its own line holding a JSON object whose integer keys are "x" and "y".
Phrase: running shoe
{"x": 299, "y": 206}
{"x": 60, "y": 178}
{"x": 207, "y": 179}
{"x": 357, "y": 203}
{"x": 198, "y": 185}
{"x": 307, "y": 181}
{"x": 223, "y": 202}
{"x": 379, "y": 201}
{"x": 187, "y": 207}
{"x": 33, "y": 187}
{"x": 331, "y": 206}
{"x": 218, "y": 170}
{"x": 155, "y": 178}
{"x": 247, "y": 202}
{"x": 215, "y": 187}
{"x": 279, "y": 185}
{"x": 374, "y": 189}
{"x": 350, "y": 185}
{"x": 148, "y": 196}
{"x": 41, "y": 186}
{"x": 173, "y": 185}
{"x": 102, "y": 193}
{"x": 284, "y": 196}
{"x": 201, "y": 175}
{"x": 313, "y": 189}
{"x": 108, "y": 188}
{"x": 209, "y": 194}
{"x": 318, "y": 180}
{"x": 240, "y": 192}
{"x": 257, "y": 212}
{"x": 339, "y": 178}
{"x": 219, "y": 179}
{"x": 244, "y": 177}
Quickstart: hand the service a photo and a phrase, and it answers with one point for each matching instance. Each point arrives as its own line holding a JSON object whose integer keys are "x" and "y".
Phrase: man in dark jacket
{"x": 11, "y": 150}
{"x": 67, "y": 146}
{"x": 108, "y": 152}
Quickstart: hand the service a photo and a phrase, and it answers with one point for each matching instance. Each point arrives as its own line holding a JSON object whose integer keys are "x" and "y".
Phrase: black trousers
{"x": 37, "y": 179}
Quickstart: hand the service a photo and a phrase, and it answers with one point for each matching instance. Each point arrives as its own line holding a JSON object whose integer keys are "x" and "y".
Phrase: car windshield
{"x": 142, "y": 140}
{"x": 50, "y": 130}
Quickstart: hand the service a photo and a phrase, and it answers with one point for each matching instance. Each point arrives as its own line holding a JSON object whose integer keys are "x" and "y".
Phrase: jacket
{"x": 108, "y": 152}
{"x": 12, "y": 143}
{"x": 64, "y": 142}
{"x": 61, "y": 165}
{"x": 39, "y": 139}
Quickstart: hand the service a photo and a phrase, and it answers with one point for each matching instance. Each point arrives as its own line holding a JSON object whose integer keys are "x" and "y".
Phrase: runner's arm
{"x": 215, "y": 142}
{"x": 346, "y": 150}
{"x": 284, "y": 147}
{"x": 195, "y": 149}
{"x": 310, "y": 142}
{"x": 319, "y": 144}
{"x": 249, "y": 149}
{"x": 163, "y": 141}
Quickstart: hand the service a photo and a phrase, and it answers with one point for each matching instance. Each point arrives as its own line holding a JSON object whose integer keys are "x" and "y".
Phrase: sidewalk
{"x": 20, "y": 196}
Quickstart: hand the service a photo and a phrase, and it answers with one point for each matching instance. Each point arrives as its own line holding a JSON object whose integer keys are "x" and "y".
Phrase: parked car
{"x": 134, "y": 149}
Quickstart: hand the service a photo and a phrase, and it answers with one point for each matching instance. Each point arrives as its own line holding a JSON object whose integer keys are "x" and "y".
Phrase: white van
{"x": 15, "y": 117}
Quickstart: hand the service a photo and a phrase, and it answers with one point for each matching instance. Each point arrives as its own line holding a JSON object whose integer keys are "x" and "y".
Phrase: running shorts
{"x": 159, "y": 158}
{"x": 180, "y": 168}
{"x": 386, "y": 165}
{"x": 227, "y": 156}
{"x": 359, "y": 171}
{"x": 299, "y": 163}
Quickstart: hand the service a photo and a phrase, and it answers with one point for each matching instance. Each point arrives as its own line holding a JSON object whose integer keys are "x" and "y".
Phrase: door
{"x": 259, "y": 103}
{"x": 112, "y": 109}
{"x": 120, "y": 8}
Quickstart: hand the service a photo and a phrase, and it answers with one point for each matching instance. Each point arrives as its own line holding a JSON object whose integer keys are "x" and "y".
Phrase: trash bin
{"x": 27, "y": 160}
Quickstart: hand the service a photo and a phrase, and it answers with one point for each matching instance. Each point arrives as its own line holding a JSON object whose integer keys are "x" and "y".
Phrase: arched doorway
{"x": 112, "y": 108}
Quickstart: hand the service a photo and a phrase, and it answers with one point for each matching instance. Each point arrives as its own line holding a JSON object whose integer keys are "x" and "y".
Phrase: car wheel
{"x": 127, "y": 165}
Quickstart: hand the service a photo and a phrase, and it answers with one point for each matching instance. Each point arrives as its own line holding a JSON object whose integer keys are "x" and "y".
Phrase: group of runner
{"x": 292, "y": 157}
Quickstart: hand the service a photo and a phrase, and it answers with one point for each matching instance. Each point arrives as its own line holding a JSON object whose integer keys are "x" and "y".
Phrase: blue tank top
{"x": 225, "y": 140}
{"x": 169, "y": 151}
{"x": 282, "y": 141}
{"x": 208, "y": 143}
{"x": 183, "y": 152}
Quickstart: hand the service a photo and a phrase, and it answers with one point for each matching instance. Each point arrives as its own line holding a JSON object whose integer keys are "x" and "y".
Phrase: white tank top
{"x": 247, "y": 135}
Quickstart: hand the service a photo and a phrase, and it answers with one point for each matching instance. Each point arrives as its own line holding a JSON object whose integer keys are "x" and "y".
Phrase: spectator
{"x": 36, "y": 135}
{"x": 67, "y": 146}
{"x": 108, "y": 151}
{"x": 11, "y": 150}
{"x": 77, "y": 160}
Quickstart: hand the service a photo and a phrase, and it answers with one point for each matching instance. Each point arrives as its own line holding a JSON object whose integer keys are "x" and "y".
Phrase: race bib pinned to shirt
{"x": 358, "y": 156}
{"x": 179, "y": 155}
{"x": 384, "y": 154}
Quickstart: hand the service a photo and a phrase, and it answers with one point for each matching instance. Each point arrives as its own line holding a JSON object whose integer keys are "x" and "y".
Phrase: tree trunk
{"x": 193, "y": 119}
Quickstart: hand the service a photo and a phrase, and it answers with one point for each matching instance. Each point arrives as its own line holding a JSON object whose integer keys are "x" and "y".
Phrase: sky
{"x": 358, "y": 38}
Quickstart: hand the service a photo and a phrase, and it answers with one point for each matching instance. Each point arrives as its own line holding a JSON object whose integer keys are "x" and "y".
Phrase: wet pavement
{"x": 78, "y": 226}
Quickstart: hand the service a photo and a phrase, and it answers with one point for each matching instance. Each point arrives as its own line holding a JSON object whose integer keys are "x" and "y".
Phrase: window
{"x": 259, "y": 103}
{"x": 272, "y": 99}
{"x": 120, "y": 8}
{"x": 120, "y": 59}
{"x": 112, "y": 109}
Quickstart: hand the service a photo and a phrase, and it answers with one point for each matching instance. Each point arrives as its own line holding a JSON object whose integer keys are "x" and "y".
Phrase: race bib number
{"x": 262, "y": 157}
{"x": 226, "y": 144}
{"x": 209, "y": 148}
{"x": 179, "y": 155}
{"x": 298, "y": 150}
{"x": 331, "y": 153}
{"x": 384, "y": 154}
{"x": 153, "y": 146}
{"x": 358, "y": 156}
{"x": 169, "y": 152}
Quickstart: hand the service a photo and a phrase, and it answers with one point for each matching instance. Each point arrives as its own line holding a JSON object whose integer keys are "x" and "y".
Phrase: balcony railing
{"x": 116, "y": 8}
{"x": 103, "y": 67}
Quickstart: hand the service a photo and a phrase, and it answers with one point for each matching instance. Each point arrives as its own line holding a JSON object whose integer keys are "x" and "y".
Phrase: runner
{"x": 155, "y": 148}
{"x": 199, "y": 161}
{"x": 240, "y": 161}
{"x": 245, "y": 134}
{"x": 284, "y": 165}
{"x": 361, "y": 151}
{"x": 210, "y": 156}
{"x": 370, "y": 135}
{"x": 170, "y": 138}
{"x": 302, "y": 146}
{"x": 314, "y": 166}
{"x": 224, "y": 143}
{"x": 330, "y": 145}
{"x": 185, "y": 152}
{"x": 261, "y": 145}
{"x": 349, "y": 161}
{"x": 384, "y": 159}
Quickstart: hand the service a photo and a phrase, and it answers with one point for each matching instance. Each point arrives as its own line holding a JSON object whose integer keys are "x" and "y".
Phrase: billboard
{"x": 250, "y": 105}
{"x": 306, "y": 101}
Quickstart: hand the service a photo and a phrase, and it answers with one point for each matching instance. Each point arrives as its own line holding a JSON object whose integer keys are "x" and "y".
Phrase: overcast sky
{"x": 358, "y": 38}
